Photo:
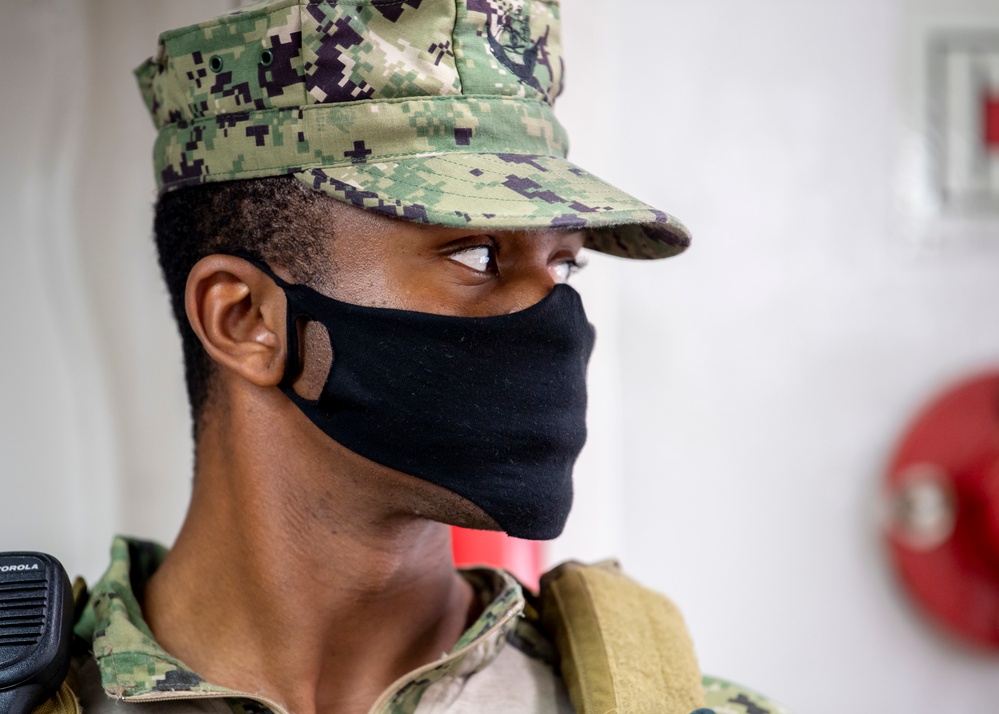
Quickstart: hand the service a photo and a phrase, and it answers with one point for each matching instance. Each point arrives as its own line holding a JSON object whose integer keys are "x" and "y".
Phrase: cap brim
{"x": 504, "y": 192}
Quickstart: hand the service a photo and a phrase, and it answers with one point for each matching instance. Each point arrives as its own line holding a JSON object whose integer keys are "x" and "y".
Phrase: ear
{"x": 238, "y": 313}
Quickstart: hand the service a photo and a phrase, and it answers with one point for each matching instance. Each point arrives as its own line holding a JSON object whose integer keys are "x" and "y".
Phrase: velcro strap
{"x": 624, "y": 648}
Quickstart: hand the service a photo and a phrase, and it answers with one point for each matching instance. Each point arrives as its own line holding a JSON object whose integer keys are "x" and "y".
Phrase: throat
{"x": 348, "y": 615}
{"x": 303, "y": 572}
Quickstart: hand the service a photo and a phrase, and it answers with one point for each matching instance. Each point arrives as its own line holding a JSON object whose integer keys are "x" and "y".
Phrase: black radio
{"x": 36, "y": 629}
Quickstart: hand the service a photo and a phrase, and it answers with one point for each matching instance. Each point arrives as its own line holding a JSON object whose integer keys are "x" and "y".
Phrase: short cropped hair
{"x": 279, "y": 219}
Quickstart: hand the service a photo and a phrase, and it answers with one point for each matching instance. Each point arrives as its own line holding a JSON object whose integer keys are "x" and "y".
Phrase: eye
{"x": 564, "y": 269}
{"x": 479, "y": 258}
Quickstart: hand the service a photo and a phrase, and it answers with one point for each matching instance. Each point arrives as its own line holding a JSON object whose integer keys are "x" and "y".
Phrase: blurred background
{"x": 746, "y": 396}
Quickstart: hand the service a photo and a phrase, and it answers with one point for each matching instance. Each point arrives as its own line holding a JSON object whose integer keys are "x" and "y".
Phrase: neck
{"x": 296, "y": 582}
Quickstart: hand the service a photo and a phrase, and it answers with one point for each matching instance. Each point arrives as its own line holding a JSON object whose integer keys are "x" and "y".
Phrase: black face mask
{"x": 491, "y": 408}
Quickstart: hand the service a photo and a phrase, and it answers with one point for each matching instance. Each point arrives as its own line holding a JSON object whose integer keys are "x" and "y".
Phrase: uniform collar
{"x": 134, "y": 667}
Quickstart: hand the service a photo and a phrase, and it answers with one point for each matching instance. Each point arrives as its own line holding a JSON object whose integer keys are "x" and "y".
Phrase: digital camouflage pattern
{"x": 133, "y": 668}
{"x": 729, "y": 698}
{"x": 437, "y": 111}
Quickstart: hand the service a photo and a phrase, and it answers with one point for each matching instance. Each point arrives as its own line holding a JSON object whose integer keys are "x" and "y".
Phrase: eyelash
{"x": 575, "y": 264}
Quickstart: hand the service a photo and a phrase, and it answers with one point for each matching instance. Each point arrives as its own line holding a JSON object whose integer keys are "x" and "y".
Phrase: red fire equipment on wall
{"x": 943, "y": 510}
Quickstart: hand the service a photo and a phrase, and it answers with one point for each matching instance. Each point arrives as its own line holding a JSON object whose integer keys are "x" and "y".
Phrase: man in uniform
{"x": 366, "y": 224}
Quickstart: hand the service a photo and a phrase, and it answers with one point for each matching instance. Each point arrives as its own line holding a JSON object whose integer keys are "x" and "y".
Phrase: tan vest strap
{"x": 624, "y": 648}
{"x": 62, "y": 702}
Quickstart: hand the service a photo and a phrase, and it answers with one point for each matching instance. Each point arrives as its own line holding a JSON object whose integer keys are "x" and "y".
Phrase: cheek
{"x": 362, "y": 275}
{"x": 370, "y": 290}
{"x": 402, "y": 281}
{"x": 316, "y": 357}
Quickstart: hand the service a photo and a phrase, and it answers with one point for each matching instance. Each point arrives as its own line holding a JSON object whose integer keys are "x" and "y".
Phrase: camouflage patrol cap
{"x": 437, "y": 111}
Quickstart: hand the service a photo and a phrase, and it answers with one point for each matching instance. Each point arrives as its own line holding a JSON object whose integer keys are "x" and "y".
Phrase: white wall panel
{"x": 768, "y": 372}
{"x": 93, "y": 422}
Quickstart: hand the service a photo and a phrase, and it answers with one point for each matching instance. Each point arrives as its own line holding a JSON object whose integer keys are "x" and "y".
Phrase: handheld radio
{"x": 36, "y": 629}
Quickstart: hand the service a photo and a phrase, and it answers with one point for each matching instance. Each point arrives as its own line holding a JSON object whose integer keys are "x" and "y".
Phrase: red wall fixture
{"x": 523, "y": 558}
{"x": 942, "y": 515}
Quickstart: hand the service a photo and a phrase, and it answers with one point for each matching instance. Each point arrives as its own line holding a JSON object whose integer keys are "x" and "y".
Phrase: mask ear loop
{"x": 291, "y": 321}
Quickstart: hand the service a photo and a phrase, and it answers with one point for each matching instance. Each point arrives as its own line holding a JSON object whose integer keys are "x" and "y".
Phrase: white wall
{"x": 745, "y": 396}
{"x": 93, "y": 426}
{"x": 767, "y": 373}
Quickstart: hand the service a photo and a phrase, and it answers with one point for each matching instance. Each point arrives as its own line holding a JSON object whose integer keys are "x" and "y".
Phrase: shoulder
{"x": 83, "y": 693}
{"x": 625, "y": 647}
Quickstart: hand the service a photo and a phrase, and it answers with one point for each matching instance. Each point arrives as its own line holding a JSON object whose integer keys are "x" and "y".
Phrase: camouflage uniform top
{"x": 133, "y": 668}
